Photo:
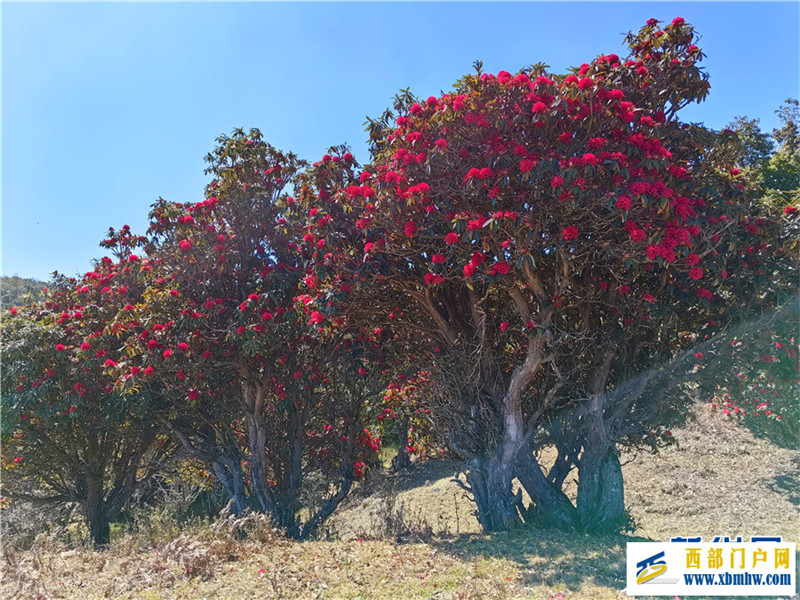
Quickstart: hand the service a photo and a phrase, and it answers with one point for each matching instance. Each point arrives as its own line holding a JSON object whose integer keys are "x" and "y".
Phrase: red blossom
{"x": 478, "y": 258}
{"x": 502, "y": 268}
{"x": 623, "y": 203}
{"x": 433, "y": 279}
{"x": 570, "y": 232}
{"x": 703, "y": 293}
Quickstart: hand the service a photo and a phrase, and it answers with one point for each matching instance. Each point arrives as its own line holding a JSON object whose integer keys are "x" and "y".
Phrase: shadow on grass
{"x": 550, "y": 558}
{"x": 788, "y": 484}
{"x": 423, "y": 473}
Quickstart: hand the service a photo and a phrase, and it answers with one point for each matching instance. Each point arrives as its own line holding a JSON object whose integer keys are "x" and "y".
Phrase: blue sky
{"x": 107, "y": 106}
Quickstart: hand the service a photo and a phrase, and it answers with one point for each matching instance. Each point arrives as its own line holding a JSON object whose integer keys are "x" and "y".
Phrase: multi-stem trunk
{"x": 288, "y": 467}
{"x": 229, "y": 474}
{"x": 550, "y": 507}
{"x": 253, "y": 396}
{"x": 491, "y": 474}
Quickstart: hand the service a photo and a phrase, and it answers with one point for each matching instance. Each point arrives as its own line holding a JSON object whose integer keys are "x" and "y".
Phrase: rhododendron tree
{"x": 259, "y": 388}
{"x": 548, "y": 239}
{"x": 77, "y": 438}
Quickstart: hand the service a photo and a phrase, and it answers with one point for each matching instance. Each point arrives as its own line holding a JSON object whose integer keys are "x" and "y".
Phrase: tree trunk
{"x": 292, "y": 476}
{"x": 230, "y": 477}
{"x": 491, "y": 474}
{"x": 94, "y": 509}
{"x": 489, "y": 477}
{"x": 550, "y": 506}
{"x": 561, "y": 468}
{"x": 326, "y": 510}
{"x": 601, "y": 499}
{"x": 253, "y": 395}
{"x": 402, "y": 460}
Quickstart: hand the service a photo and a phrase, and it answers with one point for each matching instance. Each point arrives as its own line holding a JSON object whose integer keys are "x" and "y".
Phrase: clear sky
{"x": 107, "y": 106}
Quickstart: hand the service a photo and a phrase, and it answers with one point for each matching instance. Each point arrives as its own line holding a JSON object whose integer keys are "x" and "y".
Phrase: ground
{"x": 718, "y": 480}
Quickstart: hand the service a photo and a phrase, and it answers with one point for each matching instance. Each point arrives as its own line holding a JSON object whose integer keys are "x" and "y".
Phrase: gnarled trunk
{"x": 550, "y": 506}
{"x": 490, "y": 477}
{"x": 491, "y": 474}
{"x": 601, "y": 500}
{"x": 253, "y": 396}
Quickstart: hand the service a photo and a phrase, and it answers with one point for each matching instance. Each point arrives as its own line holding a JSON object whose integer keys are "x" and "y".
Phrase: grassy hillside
{"x": 719, "y": 480}
{"x": 13, "y": 290}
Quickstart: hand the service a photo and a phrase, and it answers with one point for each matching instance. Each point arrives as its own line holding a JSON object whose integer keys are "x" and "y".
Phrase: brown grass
{"x": 718, "y": 480}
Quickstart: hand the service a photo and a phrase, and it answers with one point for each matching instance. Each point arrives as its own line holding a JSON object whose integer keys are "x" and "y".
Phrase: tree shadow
{"x": 548, "y": 557}
{"x": 788, "y": 484}
{"x": 783, "y": 434}
{"x": 422, "y": 473}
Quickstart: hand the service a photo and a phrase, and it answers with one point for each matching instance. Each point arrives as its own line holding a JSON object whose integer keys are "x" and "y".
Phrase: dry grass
{"x": 719, "y": 480}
